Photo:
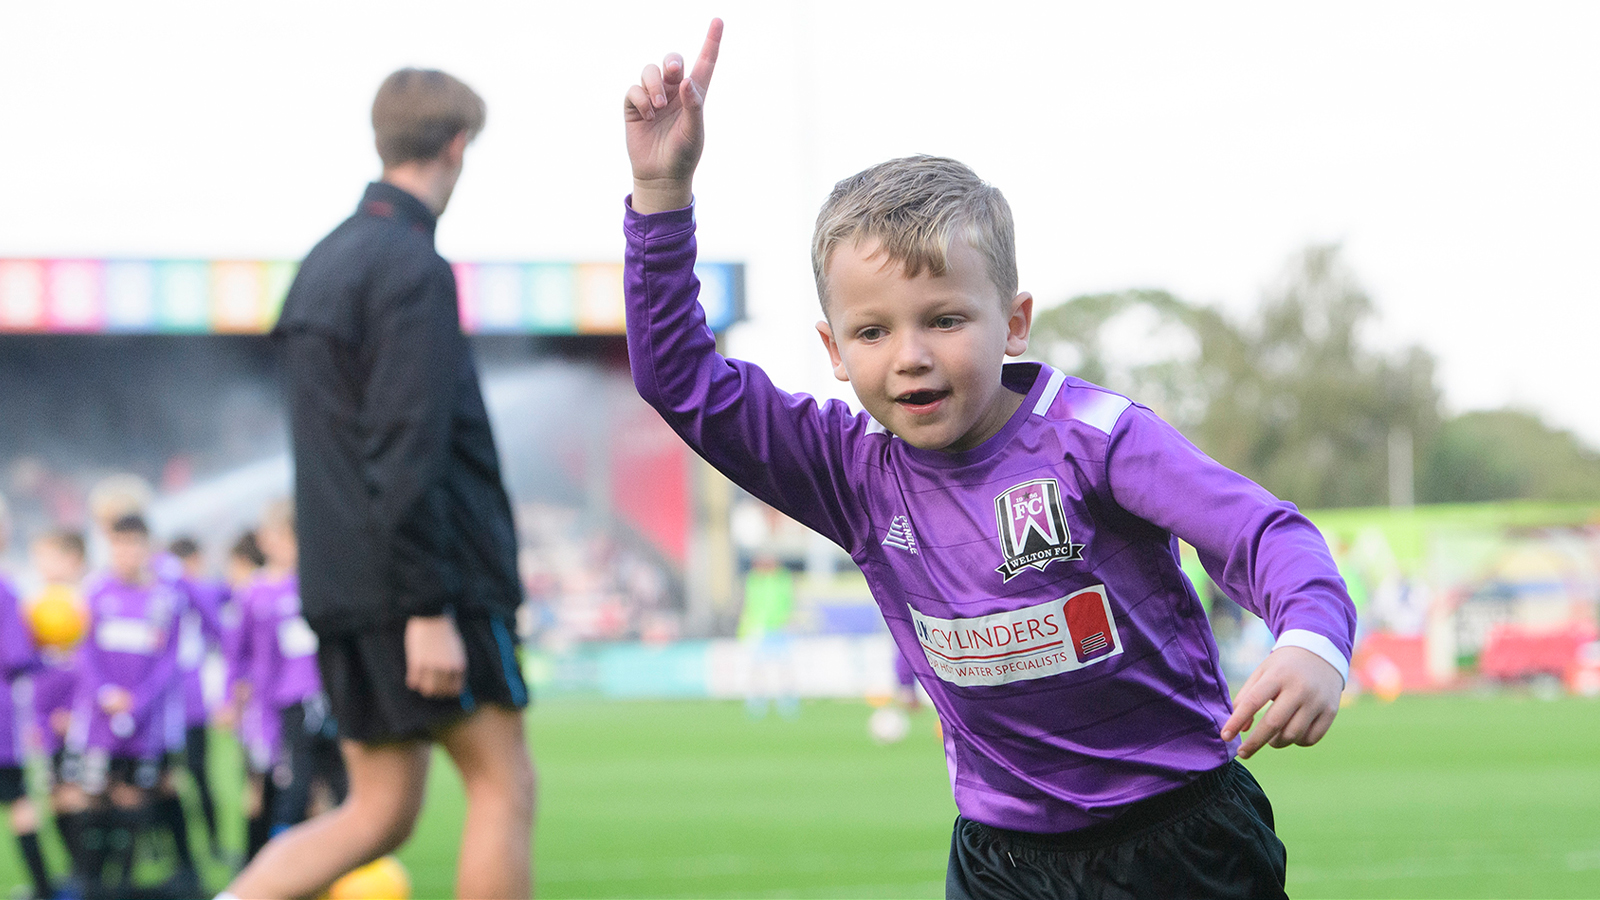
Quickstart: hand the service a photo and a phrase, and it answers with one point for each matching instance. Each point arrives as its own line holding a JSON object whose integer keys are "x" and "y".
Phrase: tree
{"x": 1294, "y": 399}
{"x": 1506, "y": 454}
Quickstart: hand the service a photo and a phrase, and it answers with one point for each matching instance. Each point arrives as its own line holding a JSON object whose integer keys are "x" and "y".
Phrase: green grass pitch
{"x": 1439, "y": 796}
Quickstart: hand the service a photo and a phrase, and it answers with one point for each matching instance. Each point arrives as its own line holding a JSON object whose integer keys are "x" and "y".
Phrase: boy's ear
{"x": 826, "y": 330}
{"x": 1019, "y": 324}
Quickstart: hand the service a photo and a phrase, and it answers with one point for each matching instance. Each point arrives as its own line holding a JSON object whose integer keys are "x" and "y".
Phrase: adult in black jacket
{"x": 407, "y": 551}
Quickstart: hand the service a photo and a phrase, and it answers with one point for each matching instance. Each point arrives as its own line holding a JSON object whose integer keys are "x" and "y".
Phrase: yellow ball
{"x": 58, "y": 617}
{"x": 385, "y": 878}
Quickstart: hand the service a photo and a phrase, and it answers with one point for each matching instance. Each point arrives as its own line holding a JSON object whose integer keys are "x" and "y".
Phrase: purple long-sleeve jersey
{"x": 257, "y": 729}
{"x": 132, "y": 643}
{"x": 281, "y": 648}
{"x": 199, "y": 631}
{"x": 54, "y": 683}
{"x": 1033, "y": 581}
{"x": 16, "y": 657}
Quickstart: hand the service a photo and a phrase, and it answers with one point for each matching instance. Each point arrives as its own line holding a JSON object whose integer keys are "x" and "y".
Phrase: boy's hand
{"x": 436, "y": 660}
{"x": 664, "y": 116}
{"x": 1304, "y": 691}
{"x": 115, "y": 699}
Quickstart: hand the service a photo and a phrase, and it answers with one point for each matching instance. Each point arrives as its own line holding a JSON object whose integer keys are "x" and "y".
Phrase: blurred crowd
{"x": 120, "y": 653}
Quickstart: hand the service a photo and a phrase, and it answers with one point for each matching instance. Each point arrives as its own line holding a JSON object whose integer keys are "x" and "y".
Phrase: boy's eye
{"x": 946, "y": 322}
{"x": 870, "y": 333}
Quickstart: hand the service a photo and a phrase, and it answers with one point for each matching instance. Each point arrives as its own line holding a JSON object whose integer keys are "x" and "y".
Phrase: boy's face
{"x": 924, "y": 354}
{"x": 130, "y": 553}
{"x": 277, "y": 543}
{"x": 55, "y": 564}
{"x": 240, "y": 570}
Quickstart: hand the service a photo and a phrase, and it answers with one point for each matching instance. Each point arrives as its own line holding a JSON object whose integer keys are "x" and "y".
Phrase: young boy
{"x": 1088, "y": 729}
{"x": 407, "y": 546}
{"x": 59, "y": 560}
{"x": 128, "y": 706}
{"x": 199, "y": 633}
{"x": 17, "y": 657}
{"x": 283, "y": 673}
{"x": 245, "y": 711}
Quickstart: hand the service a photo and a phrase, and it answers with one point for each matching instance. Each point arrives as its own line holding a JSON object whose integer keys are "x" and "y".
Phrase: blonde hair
{"x": 119, "y": 495}
{"x": 914, "y": 207}
{"x": 418, "y": 111}
{"x": 279, "y": 514}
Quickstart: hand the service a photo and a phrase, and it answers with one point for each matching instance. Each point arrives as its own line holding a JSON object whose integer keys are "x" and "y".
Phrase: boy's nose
{"x": 911, "y": 355}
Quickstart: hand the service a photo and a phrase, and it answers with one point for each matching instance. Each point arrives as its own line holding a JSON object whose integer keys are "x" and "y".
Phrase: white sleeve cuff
{"x": 1316, "y": 643}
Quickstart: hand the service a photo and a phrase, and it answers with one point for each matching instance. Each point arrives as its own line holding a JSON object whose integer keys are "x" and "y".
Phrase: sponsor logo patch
{"x": 1033, "y": 527}
{"x": 1020, "y": 645}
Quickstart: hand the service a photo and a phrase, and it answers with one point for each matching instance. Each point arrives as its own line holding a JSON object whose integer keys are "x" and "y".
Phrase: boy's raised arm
{"x": 783, "y": 448}
{"x": 664, "y": 117}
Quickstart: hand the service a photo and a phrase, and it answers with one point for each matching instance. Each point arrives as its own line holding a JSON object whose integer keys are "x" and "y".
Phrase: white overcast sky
{"x": 1453, "y": 148}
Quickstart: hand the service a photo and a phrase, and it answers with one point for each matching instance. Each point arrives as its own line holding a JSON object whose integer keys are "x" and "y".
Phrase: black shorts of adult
{"x": 13, "y": 785}
{"x": 1212, "y": 838}
{"x": 364, "y": 676}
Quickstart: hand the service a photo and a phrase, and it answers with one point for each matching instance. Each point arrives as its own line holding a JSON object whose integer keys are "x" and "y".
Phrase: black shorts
{"x": 13, "y": 786}
{"x": 94, "y": 770}
{"x": 1212, "y": 838}
{"x": 364, "y": 676}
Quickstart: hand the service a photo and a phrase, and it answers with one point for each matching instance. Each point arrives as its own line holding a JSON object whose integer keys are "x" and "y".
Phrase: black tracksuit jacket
{"x": 400, "y": 505}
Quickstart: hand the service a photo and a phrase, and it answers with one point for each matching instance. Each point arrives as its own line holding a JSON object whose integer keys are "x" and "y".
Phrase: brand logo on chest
{"x": 1033, "y": 527}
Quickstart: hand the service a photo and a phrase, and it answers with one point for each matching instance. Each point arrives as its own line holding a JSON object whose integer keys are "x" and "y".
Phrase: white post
{"x": 1401, "y": 464}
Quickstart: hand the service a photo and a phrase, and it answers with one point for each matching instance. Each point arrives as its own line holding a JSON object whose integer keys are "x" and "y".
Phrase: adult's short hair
{"x": 418, "y": 111}
{"x": 914, "y": 207}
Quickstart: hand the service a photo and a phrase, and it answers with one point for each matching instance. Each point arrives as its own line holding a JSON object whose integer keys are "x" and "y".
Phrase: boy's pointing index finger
{"x": 707, "y": 62}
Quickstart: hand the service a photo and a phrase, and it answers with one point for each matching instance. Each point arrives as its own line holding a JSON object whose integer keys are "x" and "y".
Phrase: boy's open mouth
{"x": 921, "y": 398}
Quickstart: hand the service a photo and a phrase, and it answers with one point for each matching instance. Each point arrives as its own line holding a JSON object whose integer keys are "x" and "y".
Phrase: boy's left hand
{"x": 1304, "y": 692}
{"x": 115, "y": 699}
{"x": 664, "y": 115}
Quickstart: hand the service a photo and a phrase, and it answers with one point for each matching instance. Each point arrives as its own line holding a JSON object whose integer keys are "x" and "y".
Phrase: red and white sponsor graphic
{"x": 1019, "y": 645}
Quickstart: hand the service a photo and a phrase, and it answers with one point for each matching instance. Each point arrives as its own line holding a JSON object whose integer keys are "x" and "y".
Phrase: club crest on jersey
{"x": 1033, "y": 527}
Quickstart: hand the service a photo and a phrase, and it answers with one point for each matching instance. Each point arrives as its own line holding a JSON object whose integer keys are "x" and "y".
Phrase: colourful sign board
{"x": 95, "y": 296}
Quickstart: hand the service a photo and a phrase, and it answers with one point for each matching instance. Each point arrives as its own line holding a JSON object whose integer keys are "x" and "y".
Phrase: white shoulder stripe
{"x": 875, "y": 427}
{"x": 1051, "y": 389}
{"x": 1097, "y": 409}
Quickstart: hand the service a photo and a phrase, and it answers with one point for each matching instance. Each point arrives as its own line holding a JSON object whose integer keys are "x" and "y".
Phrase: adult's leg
{"x": 490, "y": 749}
{"x": 386, "y": 787}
